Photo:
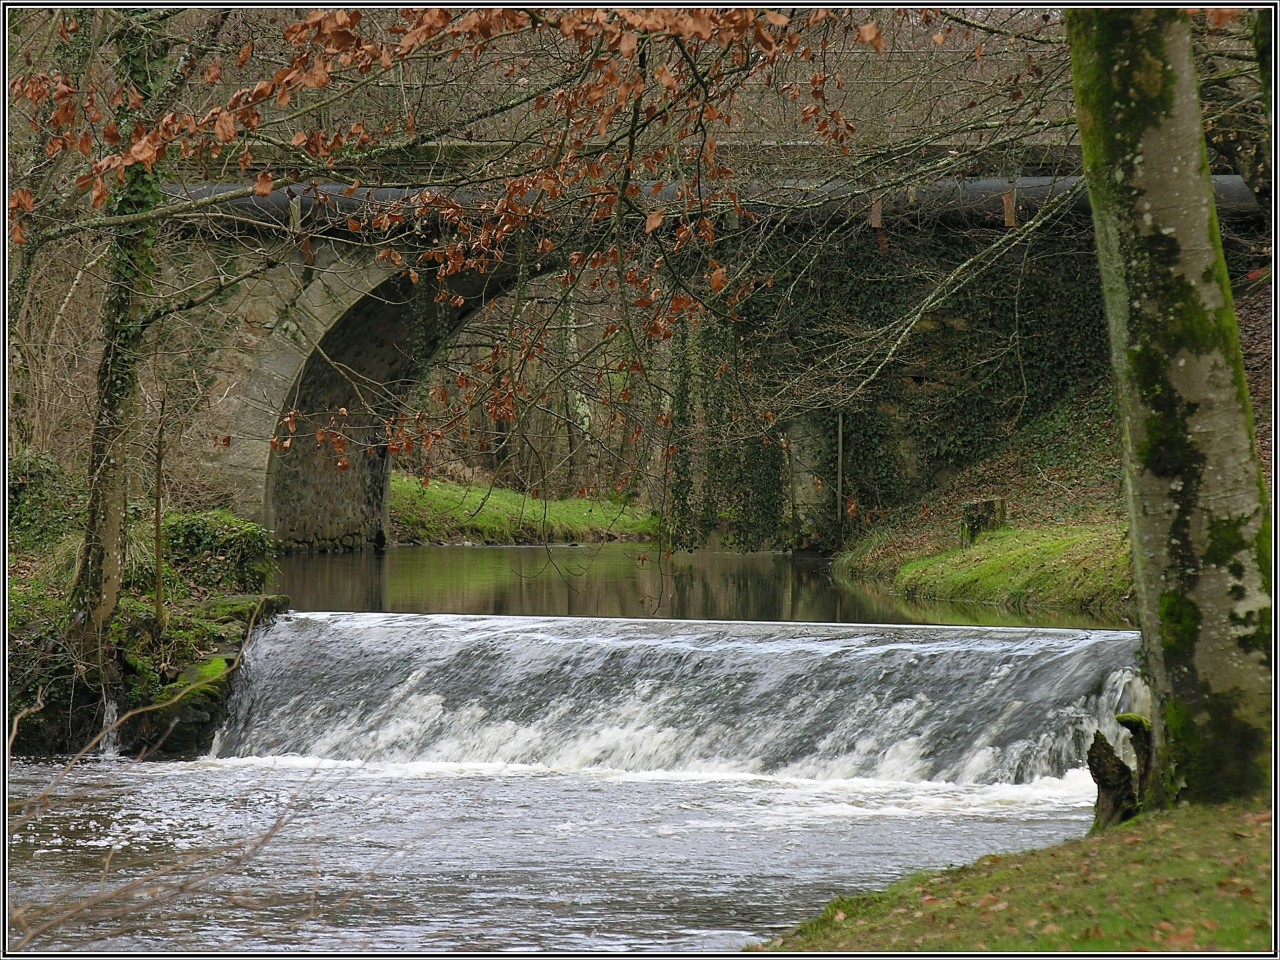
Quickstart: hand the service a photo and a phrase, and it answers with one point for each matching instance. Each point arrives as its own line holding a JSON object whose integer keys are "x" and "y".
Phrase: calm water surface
{"x": 617, "y": 580}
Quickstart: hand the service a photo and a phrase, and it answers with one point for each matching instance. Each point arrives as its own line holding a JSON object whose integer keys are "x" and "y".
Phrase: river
{"x": 428, "y": 756}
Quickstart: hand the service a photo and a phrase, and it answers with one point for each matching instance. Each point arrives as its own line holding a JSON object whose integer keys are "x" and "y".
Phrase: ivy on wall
{"x": 1014, "y": 342}
{"x": 729, "y": 471}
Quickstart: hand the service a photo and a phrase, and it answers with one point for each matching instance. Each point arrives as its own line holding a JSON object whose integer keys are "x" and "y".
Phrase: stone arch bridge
{"x": 332, "y": 326}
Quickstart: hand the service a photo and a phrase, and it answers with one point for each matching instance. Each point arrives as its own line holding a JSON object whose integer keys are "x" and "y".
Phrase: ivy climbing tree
{"x": 147, "y": 77}
{"x": 1199, "y": 511}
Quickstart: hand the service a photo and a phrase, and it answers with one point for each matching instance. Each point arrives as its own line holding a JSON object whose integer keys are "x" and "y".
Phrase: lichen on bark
{"x": 1199, "y": 510}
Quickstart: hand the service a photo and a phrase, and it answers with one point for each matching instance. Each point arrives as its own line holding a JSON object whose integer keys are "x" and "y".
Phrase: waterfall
{"x": 110, "y": 745}
{"x": 811, "y": 701}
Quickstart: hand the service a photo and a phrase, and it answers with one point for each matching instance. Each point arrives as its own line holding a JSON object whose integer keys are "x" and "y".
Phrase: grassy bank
{"x": 1082, "y": 567}
{"x": 1194, "y": 878}
{"x": 1060, "y": 478}
{"x": 1064, "y": 546}
{"x": 445, "y": 512}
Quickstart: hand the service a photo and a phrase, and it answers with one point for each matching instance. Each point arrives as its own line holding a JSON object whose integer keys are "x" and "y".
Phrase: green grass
{"x": 1080, "y": 567}
{"x": 1060, "y": 479}
{"x": 445, "y": 512}
{"x": 1194, "y": 878}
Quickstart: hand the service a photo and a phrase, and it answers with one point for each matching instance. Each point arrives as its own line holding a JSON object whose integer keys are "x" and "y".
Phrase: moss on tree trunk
{"x": 1198, "y": 507}
{"x": 131, "y": 265}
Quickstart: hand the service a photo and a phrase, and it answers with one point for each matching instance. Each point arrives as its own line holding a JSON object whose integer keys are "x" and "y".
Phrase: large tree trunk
{"x": 1198, "y": 507}
{"x": 129, "y": 306}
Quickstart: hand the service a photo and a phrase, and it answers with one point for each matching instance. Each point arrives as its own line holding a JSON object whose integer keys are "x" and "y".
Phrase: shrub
{"x": 218, "y": 550}
{"x": 43, "y": 500}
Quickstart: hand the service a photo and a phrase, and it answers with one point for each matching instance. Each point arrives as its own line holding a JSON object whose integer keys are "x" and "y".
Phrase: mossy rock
{"x": 184, "y": 728}
{"x": 208, "y": 678}
{"x": 244, "y": 608}
{"x": 208, "y": 636}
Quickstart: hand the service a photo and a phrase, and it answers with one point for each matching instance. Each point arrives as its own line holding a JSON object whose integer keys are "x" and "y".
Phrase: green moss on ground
{"x": 244, "y": 608}
{"x": 204, "y": 678}
{"x": 445, "y": 512}
{"x": 1193, "y": 878}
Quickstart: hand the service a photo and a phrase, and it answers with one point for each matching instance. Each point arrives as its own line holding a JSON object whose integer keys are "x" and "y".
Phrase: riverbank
{"x": 1192, "y": 878}
{"x": 1065, "y": 546}
{"x": 169, "y": 665}
{"x": 443, "y": 512}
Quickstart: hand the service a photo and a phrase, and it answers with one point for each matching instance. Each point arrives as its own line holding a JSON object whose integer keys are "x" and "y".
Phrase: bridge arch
{"x": 338, "y": 330}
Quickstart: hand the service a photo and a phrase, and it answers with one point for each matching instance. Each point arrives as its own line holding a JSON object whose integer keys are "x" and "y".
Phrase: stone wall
{"x": 344, "y": 331}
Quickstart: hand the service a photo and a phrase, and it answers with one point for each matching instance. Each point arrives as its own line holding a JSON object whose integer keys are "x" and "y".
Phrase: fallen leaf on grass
{"x": 1184, "y": 939}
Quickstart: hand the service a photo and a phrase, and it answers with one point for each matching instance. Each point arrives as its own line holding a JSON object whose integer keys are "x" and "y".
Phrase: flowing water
{"x": 447, "y": 782}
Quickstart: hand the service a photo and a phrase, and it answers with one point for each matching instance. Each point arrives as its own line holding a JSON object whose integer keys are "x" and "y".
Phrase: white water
{"x": 490, "y": 783}
{"x": 110, "y": 745}
{"x": 816, "y": 701}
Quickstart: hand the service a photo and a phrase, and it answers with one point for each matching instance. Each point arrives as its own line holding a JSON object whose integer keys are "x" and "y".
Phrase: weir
{"x": 459, "y": 783}
{"x": 812, "y": 701}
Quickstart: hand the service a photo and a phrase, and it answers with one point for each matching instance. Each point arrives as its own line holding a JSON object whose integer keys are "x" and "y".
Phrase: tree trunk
{"x": 1262, "y": 50}
{"x": 1199, "y": 511}
{"x": 576, "y": 417}
{"x": 130, "y": 266}
{"x": 1117, "y": 796}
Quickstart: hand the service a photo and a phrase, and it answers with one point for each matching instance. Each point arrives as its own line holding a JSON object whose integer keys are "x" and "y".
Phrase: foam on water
{"x": 705, "y": 698}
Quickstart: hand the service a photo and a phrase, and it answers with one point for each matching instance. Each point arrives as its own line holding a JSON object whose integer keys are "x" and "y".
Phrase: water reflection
{"x": 616, "y": 580}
